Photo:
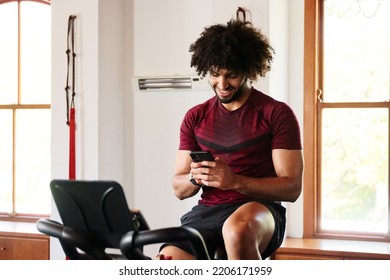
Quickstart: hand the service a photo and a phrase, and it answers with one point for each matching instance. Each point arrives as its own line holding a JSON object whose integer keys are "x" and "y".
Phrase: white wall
{"x": 100, "y": 92}
{"x": 295, "y": 39}
{"x": 132, "y": 137}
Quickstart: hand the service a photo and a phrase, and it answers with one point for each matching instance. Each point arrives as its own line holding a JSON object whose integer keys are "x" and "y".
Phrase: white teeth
{"x": 225, "y": 91}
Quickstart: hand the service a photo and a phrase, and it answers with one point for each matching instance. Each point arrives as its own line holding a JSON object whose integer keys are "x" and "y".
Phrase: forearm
{"x": 272, "y": 189}
{"x": 182, "y": 186}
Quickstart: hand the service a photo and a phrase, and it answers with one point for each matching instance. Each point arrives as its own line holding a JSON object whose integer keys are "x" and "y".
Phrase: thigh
{"x": 260, "y": 219}
{"x": 207, "y": 221}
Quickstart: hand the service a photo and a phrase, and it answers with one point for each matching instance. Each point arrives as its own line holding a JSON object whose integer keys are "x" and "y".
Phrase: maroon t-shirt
{"x": 244, "y": 138}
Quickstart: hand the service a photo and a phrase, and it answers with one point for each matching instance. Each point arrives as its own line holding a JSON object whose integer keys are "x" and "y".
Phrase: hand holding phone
{"x": 199, "y": 156}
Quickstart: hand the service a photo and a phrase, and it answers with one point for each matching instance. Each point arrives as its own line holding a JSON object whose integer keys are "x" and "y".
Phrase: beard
{"x": 236, "y": 95}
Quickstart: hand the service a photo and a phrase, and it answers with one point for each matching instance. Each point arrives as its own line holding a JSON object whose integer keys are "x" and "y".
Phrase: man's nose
{"x": 222, "y": 82}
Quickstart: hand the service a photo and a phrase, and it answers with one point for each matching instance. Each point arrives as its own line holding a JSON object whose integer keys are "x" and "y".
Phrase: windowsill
{"x": 19, "y": 228}
{"x": 305, "y": 248}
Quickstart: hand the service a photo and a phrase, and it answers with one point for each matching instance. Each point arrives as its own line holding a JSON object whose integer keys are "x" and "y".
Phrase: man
{"x": 256, "y": 144}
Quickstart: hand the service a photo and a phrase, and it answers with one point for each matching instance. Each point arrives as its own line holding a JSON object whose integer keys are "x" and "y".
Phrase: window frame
{"x": 14, "y": 107}
{"x": 39, "y": 1}
{"x": 313, "y": 81}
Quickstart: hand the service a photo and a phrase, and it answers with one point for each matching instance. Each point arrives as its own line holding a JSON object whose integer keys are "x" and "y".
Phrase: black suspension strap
{"x": 69, "y": 51}
{"x": 70, "y": 106}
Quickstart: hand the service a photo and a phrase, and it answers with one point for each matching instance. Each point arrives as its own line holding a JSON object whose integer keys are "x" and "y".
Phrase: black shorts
{"x": 208, "y": 220}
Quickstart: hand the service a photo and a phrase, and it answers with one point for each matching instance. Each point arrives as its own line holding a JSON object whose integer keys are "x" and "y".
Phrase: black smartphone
{"x": 198, "y": 156}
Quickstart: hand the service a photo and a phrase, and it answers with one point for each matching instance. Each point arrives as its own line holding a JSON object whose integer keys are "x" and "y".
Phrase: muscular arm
{"x": 183, "y": 188}
{"x": 286, "y": 186}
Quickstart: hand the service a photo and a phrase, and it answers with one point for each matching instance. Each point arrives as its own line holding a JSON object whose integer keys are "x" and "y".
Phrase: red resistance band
{"x": 72, "y": 144}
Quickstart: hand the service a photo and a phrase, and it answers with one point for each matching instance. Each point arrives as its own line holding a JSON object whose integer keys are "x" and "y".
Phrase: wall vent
{"x": 165, "y": 83}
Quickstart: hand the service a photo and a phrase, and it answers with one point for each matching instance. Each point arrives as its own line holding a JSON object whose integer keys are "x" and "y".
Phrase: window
{"x": 347, "y": 109}
{"x": 25, "y": 83}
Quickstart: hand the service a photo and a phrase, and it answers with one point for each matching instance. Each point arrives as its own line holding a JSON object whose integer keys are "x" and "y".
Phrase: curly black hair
{"x": 237, "y": 46}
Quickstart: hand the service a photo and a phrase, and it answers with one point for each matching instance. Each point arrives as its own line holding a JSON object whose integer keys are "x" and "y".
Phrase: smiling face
{"x": 228, "y": 86}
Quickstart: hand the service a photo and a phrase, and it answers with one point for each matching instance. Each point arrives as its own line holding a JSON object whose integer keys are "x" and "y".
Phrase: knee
{"x": 238, "y": 231}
